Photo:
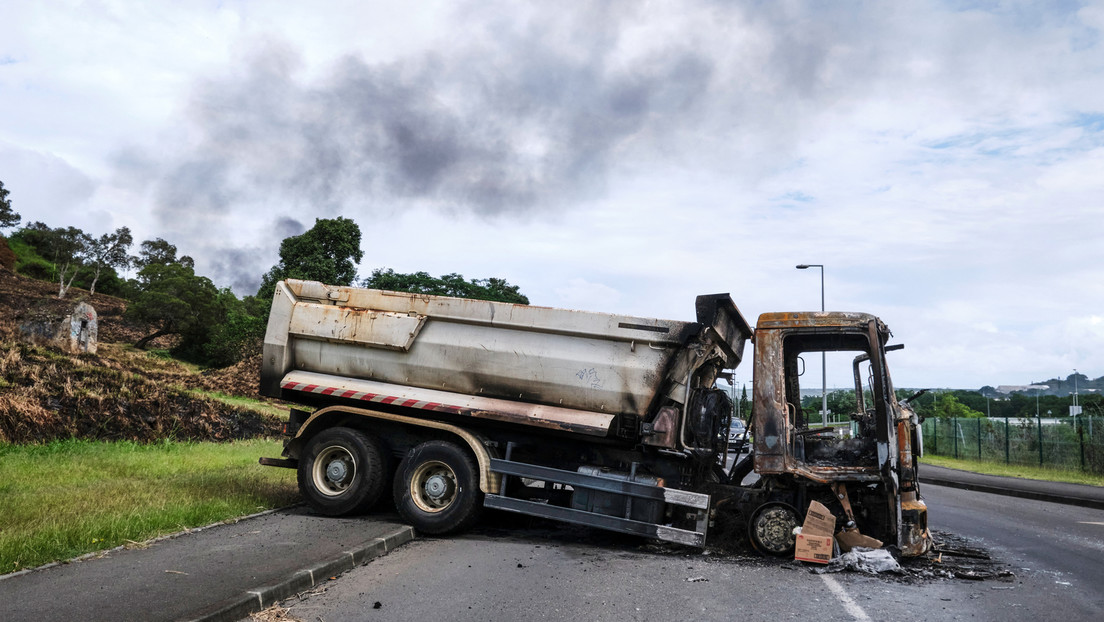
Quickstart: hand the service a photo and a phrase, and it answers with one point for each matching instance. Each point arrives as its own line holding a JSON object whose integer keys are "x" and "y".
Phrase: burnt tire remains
{"x": 771, "y": 529}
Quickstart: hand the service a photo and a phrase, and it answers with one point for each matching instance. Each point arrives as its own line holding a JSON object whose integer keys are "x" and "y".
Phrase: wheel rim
{"x": 334, "y": 470}
{"x": 772, "y": 529}
{"x": 433, "y": 486}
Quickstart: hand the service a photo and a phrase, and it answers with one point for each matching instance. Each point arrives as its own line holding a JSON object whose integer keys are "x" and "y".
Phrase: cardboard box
{"x": 816, "y": 549}
{"x": 814, "y": 543}
{"x": 819, "y": 521}
{"x": 848, "y": 540}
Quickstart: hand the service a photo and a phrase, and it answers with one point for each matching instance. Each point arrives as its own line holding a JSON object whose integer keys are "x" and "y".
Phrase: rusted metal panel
{"x": 381, "y": 329}
{"x": 782, "y": 438}
{"x": 915, "y": 538}
{"x": 813, "y": 319}
{"x": 663, "y": 429}
{"x": 770, "y": 428}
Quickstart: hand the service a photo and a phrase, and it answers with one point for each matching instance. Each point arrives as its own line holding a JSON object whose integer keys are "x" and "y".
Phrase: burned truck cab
{"x": 859, "y": 463}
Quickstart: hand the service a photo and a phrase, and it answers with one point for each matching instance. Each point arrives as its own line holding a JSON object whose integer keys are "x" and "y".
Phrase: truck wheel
{"x": 771, "y": 529}
{"x": 437, "y": 489}
{"x": 342, "y": 471}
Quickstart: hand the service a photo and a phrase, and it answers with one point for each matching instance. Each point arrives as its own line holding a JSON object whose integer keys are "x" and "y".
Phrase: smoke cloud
{"x": 520, "y": 115}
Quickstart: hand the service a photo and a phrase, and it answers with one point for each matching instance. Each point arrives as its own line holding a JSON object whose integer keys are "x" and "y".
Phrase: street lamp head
{"x": 802, "y": 266}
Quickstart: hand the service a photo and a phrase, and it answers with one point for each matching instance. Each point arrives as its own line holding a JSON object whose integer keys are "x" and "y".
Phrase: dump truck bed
{"x": 534, "y": 365}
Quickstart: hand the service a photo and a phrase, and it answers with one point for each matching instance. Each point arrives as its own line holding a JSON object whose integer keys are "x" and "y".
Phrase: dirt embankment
{"x": 7, "y": 257}
{"x": 117, "y": 393}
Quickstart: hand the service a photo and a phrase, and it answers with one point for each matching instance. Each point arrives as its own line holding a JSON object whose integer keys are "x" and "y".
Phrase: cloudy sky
{"x": 943, "y": 160}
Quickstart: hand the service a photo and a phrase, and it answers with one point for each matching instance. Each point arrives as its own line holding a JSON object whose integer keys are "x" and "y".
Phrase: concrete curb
{"x": 1013, "y": 492}
{"x": 145, "y": 543}
{"x": 233, "y": 609}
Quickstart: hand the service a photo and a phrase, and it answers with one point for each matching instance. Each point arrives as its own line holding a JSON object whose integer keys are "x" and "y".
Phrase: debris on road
{"x": 860, "y": 559}
{"x": 954, "y": 557}
{"x": 275, "y": 613}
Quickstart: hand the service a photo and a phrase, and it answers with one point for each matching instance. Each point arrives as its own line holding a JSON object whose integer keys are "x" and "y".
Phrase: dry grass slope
{"x": 118, "y": 393}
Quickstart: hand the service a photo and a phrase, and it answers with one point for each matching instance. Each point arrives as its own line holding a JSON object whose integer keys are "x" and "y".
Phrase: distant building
{"x": 1009, "y": 389}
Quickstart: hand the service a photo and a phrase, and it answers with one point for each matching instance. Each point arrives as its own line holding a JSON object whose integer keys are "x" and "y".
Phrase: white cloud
{"x": 580, "y": 293}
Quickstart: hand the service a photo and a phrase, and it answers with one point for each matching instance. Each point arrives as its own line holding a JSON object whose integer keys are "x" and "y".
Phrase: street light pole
{"x": 1076, "y": 408}
{"x": 1075, "y": 388}
{"x": 823, "y": 355}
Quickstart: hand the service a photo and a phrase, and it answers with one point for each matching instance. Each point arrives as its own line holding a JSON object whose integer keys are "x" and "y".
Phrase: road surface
{"x": 518, "y": 568}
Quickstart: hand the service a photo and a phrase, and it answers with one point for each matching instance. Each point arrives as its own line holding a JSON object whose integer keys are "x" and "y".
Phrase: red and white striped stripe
{"x": 369, "y": 397}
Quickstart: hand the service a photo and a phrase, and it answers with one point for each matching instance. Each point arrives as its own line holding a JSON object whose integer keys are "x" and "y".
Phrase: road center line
{"x": 849, "y": 603}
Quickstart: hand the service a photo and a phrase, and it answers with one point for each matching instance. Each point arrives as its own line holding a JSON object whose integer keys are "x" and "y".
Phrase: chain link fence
{"x": 1071, "y": 443}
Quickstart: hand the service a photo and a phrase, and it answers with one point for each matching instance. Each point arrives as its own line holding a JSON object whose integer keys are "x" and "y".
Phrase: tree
{"x": 176, "y": 302}
{"x": 66, "y": 247}
{"x": 447, "y": 285}
{"x": 948, "y": 406}
{"x": 110, "y": 250}
{"x": 8, "y": 217}
{"x": 328, "y": 252}
{"x": 240, "y": 334}
{"x": 158, "y": 251}
{"x": 70, "y": 248}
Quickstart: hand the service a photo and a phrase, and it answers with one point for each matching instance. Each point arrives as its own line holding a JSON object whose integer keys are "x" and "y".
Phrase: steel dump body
{"x": 598, "y": 419}
{"x": 532, "y": 365}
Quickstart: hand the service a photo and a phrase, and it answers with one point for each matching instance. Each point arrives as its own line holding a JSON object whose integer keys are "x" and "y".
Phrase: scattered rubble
{"x": 275, "y": 613}
{"x": 859, "y": 559}
{"x": 954, "y": 558}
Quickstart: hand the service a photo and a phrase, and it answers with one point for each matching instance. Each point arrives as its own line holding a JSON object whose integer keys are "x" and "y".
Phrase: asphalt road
{"x": 1060, "y": 548}
{"x": 514, "y": 568}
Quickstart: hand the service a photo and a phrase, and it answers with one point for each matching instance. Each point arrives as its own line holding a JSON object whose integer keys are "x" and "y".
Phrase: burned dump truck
{"x": 453, "y": 405}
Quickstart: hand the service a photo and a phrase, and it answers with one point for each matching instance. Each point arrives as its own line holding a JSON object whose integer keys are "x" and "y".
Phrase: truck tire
{"x": 771, "y": 529}
{"x": 437, "y": 488}
{"x": 342, "y": 471}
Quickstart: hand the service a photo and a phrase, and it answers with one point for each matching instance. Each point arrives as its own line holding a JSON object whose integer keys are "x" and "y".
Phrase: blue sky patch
{"x": 1091, "y": 121}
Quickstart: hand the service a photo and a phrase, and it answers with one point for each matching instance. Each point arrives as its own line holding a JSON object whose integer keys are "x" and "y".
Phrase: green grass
{"x": 1016, "y": 470}
{"x": 67, "y": 498}
{"x": 248, "y": 403}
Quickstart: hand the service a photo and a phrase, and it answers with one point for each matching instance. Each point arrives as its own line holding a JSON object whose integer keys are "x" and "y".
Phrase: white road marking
{"x": 849, "y": 603}
{"x": 1085, "y": 522}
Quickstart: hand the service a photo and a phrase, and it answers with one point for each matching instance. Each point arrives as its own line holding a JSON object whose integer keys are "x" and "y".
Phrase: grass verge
{"x": 1016, "y": 470}
{"x": 67, "y": 498}
{"x": 247, "y": 403}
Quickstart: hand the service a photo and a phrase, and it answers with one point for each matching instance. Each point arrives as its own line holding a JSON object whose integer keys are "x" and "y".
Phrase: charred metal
{"x": 596, "y": 419}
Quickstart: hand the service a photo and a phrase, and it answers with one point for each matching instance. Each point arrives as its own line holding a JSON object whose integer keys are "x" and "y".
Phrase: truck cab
{"x": 864, "y": 466}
